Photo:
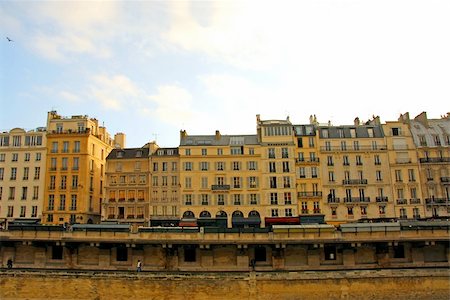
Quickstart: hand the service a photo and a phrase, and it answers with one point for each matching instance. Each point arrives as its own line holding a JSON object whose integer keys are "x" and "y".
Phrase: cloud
{"x": 69, "y": 96}
{"x": 173, "y": 105}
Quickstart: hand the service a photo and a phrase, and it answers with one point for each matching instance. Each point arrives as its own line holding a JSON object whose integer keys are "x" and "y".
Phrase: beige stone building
{"x": 127, "y": 186}
{"x": 355, "y": 172}
{"x": 164, "y": 187}
{"x": 404, "y": 171}
{"x": 22, "y": 174}
{"x": 432, "y": 140}
{"x": 308, "y": 173}
{"x": 77, "y": 148}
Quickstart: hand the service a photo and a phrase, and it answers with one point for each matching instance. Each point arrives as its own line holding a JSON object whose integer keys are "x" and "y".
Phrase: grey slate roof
{"x": 128, "y": 153}
{"x": 223, "y": 140}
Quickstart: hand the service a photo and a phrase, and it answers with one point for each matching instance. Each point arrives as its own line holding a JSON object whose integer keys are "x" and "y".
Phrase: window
{"x": 204, "y": 166}
{"x": 27, "y": 156}
{"x": 285, "y": 166}
{"x": 65, "y": 147}
{"x": 188, "y": 166}
{"x": 331, "y": 176}
{"x": 287, "y": 198}
{"x": 34, "y": 211}
{"x": 288, "y": 212}
{"x": 220, "y": 199}
{"x": 155, "y": 181}
{"x": 10, "y": 211}
{"x": 330, "y": 252}
{"x": 271, "y": 152}
{"x": 51, "y": 202}
{"x": 274, "y": 212}
{"x": 395, "y": 131}
{"x": 204, "y": 181}
{"x": 314, "y": 172}
{"x": 251, "y": 151}
{"x": 164, "y": 180}
{"x": 17, "y": 141}
{"x": 15, "y": 157}
{"x": 187, "y": 152}
{"x": 54, "y": 147}
{"x": 345, "y": 160}
{"x": 62, "y": 202}
{"x": 252, "y": 165}
{"x": 236, "y": 165}
{"x": 252, "y": 182}
{"x": 274, "y": 198}
{"x": 2, "y": 157}
{"x": 398, "y": 175}
{"x": 188, "y": 199}
{"x": 2, "y": 173}
{"x": 350, "y": 210}
{"x": 189, "y": 254}
{"x": 205, "y": 199}
{"x": 330, "y": 161}
{"x": 219, "y": 151}
{"x": 284, "y": 153}
{"x": 164, "y": 167}
{"x": 299, "y": 142}
{"x": 220, "y": 166}
{"x": 35, "y": 192}
{"x": 286, "y": 182}
{"x": 358, "y": 160}
{"x": 378, "y": 175}
{"x": 73, "y": 202}
{"x": 24, "y": 193}
{"x": 237, "y": 199}
{"x": 53, "y": 164}
{"x": 411, "y": 175}
{"x": 155, "y": 166}
{"x": 64, "y": 163}
{"x": 273, "y": 182}
{"x": 76, "y": 148}
{"x": 253, "y": 199}
{"x": 377, "y": 160}
{"x": 272, "y": 167}
{"x": 343, "y": 145}
{"x": 302, "y": 172}
{"x": 236, "y": 182}
{"x": 311, "y": 142}
{"x": 382, "y": 210}
{"x": 328, "y": 146}
{"x": 22, "y": 211}
{"x": 37, "y": 171}
{"x": 188, "y": 182}
{"x": 13, "y": 173}
{"x": 236, "y": 150}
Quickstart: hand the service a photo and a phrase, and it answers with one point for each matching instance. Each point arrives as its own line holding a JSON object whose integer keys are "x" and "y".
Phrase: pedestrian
{"x": 139, "y": 266}
{"x": 9, "y": 263}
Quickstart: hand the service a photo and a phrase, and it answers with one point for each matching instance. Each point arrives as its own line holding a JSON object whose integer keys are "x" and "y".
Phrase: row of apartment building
{"x": 72, "y": 171}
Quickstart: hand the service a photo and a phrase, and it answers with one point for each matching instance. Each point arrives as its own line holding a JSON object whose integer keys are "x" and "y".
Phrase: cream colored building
{"x": 355, "y": 173}
{"x": 404, "y": 170}
{"x": 432, "y": 139}
{"x": 77, "y": 148}
{"x": 220, "y": 179}
{"x": 308, "y": 173}
{"x": 22, "y": 174}
{"x": 127, "y": 186}
{"x": 164, "y": 174}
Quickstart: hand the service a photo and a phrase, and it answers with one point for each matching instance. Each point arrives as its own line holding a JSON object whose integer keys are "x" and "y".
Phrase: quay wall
{"x": 357, "y": 284}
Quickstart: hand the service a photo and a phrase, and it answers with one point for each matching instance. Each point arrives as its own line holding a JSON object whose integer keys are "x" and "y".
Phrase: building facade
{"x": 77, "y": 148}
{"x": 22, "y": 169}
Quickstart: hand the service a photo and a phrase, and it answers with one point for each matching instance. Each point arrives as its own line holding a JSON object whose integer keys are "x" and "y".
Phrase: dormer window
{"x": 139, "y": 153}
{"x": 120, "y": 154}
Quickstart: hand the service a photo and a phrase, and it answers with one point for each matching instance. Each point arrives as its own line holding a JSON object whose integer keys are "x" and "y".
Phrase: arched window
{"x": 253, "y": 214}
{"x": 238, "y": 214}
{"x": 221, "y": 214}
{"x": 188, "y": 215}
{"x": 205, "y": 214}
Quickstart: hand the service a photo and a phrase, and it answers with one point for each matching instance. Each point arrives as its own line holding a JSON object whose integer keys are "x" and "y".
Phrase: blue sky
{"x": 152, "y": 68}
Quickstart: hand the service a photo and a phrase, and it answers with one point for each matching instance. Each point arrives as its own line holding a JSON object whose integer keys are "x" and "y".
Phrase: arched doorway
{"x": 237, "y": 219}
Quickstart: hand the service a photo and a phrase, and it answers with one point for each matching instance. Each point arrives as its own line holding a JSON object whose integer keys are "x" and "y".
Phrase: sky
{"x": 152, "y": 68}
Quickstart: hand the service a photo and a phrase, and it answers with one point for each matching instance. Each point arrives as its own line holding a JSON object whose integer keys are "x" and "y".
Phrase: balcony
{"x": 445, "y": 179}
{"x": 316, "y": 210}
{"x": 141, "y": 199}
{"x": 434, "y": 160}
{"x": 309, "y": 194}
{"x": 414, "y": 201}
{"x": 382, "y": 199}
{"x": 220, "y": 187}
{"x": 334, "y": 200}
{"x": 402, "y": 201}
{"x": 121, "y": 199}
{"x": 307, "y": 160}
{"x": 112, "y": 199}
{"x": 357, "y": 200}
{"x": 437, "y": 201}
{"x": 304, "y": 211}
{"x": 354, "y": 148}
{"x": 354, "y": 181}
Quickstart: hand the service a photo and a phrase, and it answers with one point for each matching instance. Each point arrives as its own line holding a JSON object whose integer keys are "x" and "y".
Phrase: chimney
{"x": 356, "y": 122}
{"x": 183, "y": 134}
{"x": 218, "y": 135}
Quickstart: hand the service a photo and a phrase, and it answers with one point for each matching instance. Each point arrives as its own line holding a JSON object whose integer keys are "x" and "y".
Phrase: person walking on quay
{"x": 139, "y": 266}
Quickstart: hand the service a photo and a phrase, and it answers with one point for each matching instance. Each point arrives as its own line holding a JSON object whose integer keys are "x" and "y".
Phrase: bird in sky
{"x": 9, "y": 40}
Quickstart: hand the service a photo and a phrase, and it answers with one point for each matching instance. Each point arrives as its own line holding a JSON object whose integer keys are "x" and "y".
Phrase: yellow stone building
{"x": 77, "y": 148}
{"x": 22, "y": 174}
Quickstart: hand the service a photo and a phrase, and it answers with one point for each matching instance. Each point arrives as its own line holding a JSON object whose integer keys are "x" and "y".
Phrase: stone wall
{"x": 382, "y": 284}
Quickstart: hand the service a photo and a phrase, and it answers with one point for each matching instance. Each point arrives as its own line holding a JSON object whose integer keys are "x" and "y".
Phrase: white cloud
{"x": 173, "y": 105}
{"x": 69, "y": 96}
